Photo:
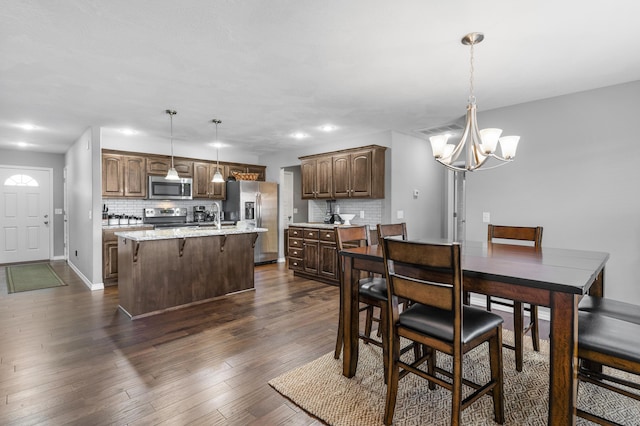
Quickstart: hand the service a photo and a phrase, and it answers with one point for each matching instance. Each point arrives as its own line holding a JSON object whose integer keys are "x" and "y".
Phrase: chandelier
{"x": 172, "y": 174}
{"x": 217, "y": 176}
{"x": 477, "y": 145}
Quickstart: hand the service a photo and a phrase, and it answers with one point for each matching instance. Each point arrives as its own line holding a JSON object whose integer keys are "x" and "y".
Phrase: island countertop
{"x": 186, "y": 232}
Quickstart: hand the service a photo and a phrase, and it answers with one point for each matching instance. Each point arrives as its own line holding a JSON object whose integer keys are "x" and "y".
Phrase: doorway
{"x": 26, "y": 232}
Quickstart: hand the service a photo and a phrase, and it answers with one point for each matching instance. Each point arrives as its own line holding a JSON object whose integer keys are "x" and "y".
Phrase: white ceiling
{"x": 271, "y": 68}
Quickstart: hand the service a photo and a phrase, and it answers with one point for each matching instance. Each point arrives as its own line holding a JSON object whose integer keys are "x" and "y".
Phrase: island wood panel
{"x": 157, "y": 275}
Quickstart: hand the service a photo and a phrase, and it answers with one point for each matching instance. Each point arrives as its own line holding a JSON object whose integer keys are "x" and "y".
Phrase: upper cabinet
{"x": 353, "y": 173}
{"x": 202, "y": 186}
{"x": 124, "y": 176}
{"x": 160, "y": 166}
{"x": 317, "y": 177}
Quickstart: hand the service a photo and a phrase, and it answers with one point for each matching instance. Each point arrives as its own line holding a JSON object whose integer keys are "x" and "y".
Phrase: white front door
{"x": 25, "y": 216}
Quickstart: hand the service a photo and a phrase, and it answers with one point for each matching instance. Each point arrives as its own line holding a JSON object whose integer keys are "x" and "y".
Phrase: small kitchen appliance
{"x": 199, "y": 213}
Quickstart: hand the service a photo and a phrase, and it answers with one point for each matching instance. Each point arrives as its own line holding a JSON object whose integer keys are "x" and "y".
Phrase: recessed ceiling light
{"x": 128, "y": 132}
{"x": 328, "y": 127}
{"x": 300, "y": 135}
{"x": 27, "y": 126}
{"x": 21, "y": 144}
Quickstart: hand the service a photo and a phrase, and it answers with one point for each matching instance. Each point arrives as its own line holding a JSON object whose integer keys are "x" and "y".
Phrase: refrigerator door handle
{"x": 258, "y": 210}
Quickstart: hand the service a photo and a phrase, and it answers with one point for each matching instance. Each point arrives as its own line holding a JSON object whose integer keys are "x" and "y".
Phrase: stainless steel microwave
{"x": 164, "y": 189}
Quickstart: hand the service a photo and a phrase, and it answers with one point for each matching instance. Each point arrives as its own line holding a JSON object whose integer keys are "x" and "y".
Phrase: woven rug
{"x": 320, "y": 389}
{"x": 32, "y": 276}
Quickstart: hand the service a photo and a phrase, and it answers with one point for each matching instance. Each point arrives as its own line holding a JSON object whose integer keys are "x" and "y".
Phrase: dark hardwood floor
{"x": 69, "y": 356}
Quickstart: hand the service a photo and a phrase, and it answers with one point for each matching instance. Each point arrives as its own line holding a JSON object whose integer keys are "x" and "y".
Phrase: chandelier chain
{"x": 472, "y": 98}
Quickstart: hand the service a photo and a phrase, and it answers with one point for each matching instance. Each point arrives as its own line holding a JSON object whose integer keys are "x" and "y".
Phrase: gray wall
{"x": 50, "y": 161}
{"x": 84, "y": 197}
{"x": 574, "y": 174}
{"x": 411, "y": 167}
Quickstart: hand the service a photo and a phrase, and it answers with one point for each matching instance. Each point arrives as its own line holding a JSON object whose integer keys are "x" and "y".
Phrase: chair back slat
{"x": 425, "y": 273}
{"x": 354, "y": 236}
{"x": 392, "y": 230}
{"x": 520, "y": 233}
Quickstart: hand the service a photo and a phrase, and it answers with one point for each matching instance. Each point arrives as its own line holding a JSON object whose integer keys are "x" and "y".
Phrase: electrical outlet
{"x": 486, "y": 217}
{"x": 361, "y": 214}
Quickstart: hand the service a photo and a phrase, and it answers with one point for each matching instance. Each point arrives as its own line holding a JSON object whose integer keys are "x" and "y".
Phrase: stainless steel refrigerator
{"x": 257, "y": 204}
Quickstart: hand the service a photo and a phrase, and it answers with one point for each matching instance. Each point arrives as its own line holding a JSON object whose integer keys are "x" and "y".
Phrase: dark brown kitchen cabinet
{"x": 352, "y": 173}
{"x": 135, "y": 176}
{"x": 203, "y": 187}
{"x": 312, "y": 254}
{"x": 160, "y": 165}
{"x": 110, "y": 252}
{"x": 124, "y": 176}
{"x": 112, "y": 175}
{"x": 317, "y": 178}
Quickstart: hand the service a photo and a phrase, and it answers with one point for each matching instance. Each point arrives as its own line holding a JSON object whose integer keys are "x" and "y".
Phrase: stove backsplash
{"x": 135, "y": 207}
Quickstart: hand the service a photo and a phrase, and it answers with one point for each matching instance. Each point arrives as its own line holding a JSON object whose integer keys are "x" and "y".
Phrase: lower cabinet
{"x": 110, "y": 252}
{"x": 312, "y": 254}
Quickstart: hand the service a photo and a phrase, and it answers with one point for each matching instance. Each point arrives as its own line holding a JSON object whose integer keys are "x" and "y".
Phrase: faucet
{"x": 217, "y": 221}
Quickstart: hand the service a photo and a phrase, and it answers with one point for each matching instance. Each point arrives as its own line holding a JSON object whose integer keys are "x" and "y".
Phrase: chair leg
{"x": 393, "y": 375}
{"x": 535, "y": 331}
{"x": 495, "y": 354}
{"x": 368, "y": 322}
{"x": 489, "y": 303}
{"x": 339, "y": 338}
{"x": 518, "y": 332}
{"x": 431, "y": 364}
{"x": 456, "y": 391}
{"x": 385, "y": 342}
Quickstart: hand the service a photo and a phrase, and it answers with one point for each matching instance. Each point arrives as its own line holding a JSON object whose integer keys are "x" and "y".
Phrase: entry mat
{"x": 32, "y": 276}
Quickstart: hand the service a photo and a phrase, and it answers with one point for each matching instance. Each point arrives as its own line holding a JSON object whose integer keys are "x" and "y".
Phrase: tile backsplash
{"x": 135, "y": 207}
{"x": 372, "y": 210}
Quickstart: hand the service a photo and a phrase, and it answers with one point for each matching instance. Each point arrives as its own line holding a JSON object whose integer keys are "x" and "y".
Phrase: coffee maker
{"x": 332, "y": 214}
{"x": 199, "y": 213}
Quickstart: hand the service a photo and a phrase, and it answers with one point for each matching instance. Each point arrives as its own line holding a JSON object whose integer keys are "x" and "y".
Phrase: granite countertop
{"x": 319, "y": 225}
{"x": 137, "y": 225}
{"x": 187, "y": 232}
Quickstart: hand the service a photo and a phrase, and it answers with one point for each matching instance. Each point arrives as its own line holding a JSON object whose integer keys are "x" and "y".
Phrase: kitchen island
{"x": 160, "y": 270}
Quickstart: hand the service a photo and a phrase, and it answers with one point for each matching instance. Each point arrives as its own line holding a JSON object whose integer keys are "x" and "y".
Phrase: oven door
{"x": 163, "y": 189}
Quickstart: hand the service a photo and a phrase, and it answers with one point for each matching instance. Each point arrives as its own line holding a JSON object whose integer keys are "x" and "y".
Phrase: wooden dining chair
{"x": 372, "y": 290}
{"x": 392, "y": 230}
{"x": 520, "y": 233}
{"x": 612, "y": 342}
{"x": 430, "y": 275}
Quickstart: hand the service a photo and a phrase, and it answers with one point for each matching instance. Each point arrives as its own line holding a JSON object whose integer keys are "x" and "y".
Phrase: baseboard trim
{"x": 85, "y": 280}
{"x": 480, "y": 300}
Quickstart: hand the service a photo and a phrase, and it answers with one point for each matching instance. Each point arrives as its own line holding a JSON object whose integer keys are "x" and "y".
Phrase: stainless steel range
{"x": 172, "y": 217}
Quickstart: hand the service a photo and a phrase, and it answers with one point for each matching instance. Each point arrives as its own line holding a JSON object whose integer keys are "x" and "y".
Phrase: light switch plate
{"x": 400, "y": 214}
{"x": 486, "y": 217}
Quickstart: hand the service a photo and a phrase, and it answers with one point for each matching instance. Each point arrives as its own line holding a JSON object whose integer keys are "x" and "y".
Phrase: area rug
{"x": 32, "y": 276}
{"x": 320, "y": 389}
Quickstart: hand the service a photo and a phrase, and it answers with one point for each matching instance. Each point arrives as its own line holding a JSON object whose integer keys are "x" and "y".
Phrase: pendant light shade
{"x": 172, "y": 174}
{"x": 217, "y": 176}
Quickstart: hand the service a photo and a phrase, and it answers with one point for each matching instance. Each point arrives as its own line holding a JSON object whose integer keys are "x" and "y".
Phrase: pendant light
{"x": 172, "y": 174}
{"x": 217, "y": 176}
{"x": 476, "y": 145}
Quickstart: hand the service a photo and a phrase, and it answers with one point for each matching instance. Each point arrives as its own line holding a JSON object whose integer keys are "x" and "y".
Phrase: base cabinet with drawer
{"x": 312, "y": 254}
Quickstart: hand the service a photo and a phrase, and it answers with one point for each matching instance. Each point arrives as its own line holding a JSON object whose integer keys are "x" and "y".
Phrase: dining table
{"x": 553, "y": 277}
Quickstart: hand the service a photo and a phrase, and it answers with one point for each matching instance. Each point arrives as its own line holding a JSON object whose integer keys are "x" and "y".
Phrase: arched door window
{"x": 20, "y": 180}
